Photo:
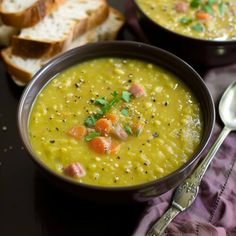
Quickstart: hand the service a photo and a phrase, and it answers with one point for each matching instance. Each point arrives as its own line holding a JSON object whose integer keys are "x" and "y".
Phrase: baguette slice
{"x": 56, "y": 31}
{"x": 22, "y": 69}
{"x": 26, "y": 13}
{"x": 6, "y": 33}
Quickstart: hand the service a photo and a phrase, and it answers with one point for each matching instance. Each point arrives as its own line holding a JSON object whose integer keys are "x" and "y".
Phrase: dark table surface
{"x": 29, "y": 205}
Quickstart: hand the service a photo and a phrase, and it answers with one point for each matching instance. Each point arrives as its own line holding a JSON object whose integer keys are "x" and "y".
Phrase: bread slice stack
{"x": 6, "y": 33}
{"x": 62, "y": 25}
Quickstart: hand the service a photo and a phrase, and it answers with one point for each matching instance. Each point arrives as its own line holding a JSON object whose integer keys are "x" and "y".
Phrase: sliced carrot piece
{"x": 113, "y": 118}
{"x": 215, "y": 7}
{"x": 78, "y": 132}
{"x": 114, "y": 148}
{"x": 203, "y": 15}
{"x": 100, "y": 145}
{"x": 103, "y": 125}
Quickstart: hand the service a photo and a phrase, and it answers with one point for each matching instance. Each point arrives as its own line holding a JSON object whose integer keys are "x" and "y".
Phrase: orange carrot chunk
{"x": 115, "y": 148}
{"x": 113, "y": 118}
{"x": 215, "y": 7}
{"x": 203, "y": 15}
{"x": 103, "y": 126}
{"x": 100, "y": 145}
{"x": 78, "y": 132}
{"x": 75, "y": 170}
{"x": 137, "y": 90}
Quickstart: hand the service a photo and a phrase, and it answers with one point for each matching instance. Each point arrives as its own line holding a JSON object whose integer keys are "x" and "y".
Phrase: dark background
{"x": 29, "y": 205}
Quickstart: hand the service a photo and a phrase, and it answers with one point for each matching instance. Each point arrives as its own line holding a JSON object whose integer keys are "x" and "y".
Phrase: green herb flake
{"x": 125, "y": 112}
{"x": 108, "y": 106}
{"x": 185, "y": 20}
{"x": 198, "y": 27}
{"x": 115, "y": 94}
{"x": 211, "y": 2}
{"x": 90, "y": 121}
{"x": 92, "y": 135}
{"x": 128, "y": 129}
{"x": 222, "y": 8}
{"x": 126, "y": 96}
{"x": 208, "y": 9}
{"x": 100, "y": 101}
{"x": 195, "y": 3}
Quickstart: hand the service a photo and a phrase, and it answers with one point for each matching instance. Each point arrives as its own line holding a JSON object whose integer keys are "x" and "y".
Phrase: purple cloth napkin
{"x": 214, "y": 211}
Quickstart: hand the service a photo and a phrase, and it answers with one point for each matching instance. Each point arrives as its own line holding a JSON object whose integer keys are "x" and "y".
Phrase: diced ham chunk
{"x": 233, "y": 10}
{"x": 75, "y": 170}
{"x": 137, "y": 90}
{"x": 181, "y": 7}
{"x": 120, "y": 133}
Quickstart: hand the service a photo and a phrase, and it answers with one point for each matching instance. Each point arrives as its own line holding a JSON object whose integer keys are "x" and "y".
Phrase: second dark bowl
{"x": 142, "y": 192}
{"x": 198, "y": 52}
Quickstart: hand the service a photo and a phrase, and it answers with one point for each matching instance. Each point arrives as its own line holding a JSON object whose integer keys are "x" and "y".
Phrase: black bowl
{"x": 200, "y": 53}
{"x": 123, "y": 49}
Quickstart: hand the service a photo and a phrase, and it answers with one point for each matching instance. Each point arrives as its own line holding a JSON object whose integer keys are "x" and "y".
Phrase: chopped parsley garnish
{"x": 185, "y": 20}
{"x": 92, "y": 135}
{"x": 106, "y": 106}
{"x": 125, "y": 111}
{"x": 208, "y": 9}
{"x": 222, "y": 8}
{"x": 211, "y": 2}
{"x": 100, "y": 101}
{"x": 90, "y": 121}
{"x": 198, "y": 27}
{"x": 128, "y": 129}
{"x": 195, "y": 3}
{"x": 109, "y": 105}
{"x": 126, "y": 96}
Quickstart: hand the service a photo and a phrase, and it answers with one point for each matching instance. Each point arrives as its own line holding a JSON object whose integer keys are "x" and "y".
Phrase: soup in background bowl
{"x": 116, "y": 120}
{"x": 201, "y": 32}
{"x": 202, "y": 19}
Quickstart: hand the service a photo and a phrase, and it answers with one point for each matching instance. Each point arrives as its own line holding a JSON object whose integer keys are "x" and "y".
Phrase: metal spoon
{"x": 187, "y": 192}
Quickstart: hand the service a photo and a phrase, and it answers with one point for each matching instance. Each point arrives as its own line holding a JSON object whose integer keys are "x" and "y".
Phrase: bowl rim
{"x": 176, "y": 34}
{"x": 64, "y": 56}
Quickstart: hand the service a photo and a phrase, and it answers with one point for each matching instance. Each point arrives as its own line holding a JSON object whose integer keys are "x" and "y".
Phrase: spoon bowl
{"x": 227, "y": 107}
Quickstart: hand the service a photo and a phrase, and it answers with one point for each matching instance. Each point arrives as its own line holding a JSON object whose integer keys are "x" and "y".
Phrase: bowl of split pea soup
{"x": 202, "y": 32}
{"x": 116, "y": 121}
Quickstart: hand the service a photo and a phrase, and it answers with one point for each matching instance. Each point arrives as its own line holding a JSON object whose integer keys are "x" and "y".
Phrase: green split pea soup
{"x": 115, "y": 122}
{"x": 205, "y": 19}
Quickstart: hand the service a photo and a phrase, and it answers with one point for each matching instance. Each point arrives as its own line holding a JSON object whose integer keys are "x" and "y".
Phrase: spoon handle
{"x": 159, "y": 227}
{"x": 187, "y": 192}
{"x": 199, "y": 172}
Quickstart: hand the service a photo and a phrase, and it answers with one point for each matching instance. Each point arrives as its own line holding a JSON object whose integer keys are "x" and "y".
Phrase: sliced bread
{"x": 22, "y": 69}
{"x": 56, "y": 31}
{"x": 6, "y": 33}
{"x": 26, "y": 13}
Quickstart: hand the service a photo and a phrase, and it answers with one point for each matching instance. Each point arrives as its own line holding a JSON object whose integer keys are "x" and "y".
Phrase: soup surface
{"x": 207, "y": 19}
{"x": 115, "y": 122}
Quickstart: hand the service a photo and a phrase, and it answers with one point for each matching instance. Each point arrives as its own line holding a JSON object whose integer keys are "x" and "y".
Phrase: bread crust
{"x": 30, "y": 48}
{"x": 30, "y": 16}
{"x": 21, "y": 76}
